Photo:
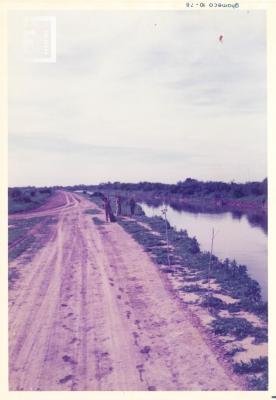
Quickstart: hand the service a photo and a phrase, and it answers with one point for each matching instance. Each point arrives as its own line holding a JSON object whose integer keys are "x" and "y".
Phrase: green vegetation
{"x": 238, "y": 327}
{"x": 19, "y": 228}
{"x": 259, "y": 382}
{"x": 233, "y": 278}
{"x": 97, "y": 221}
{"x": 189, "y": 187}
{"x": 186, "y": 258}
{"x": 194, "y": 288}
{"x": 92, "y": 211}
{"x": 213, "y": 303}
{"x": 20, "y": 237}
{"x": 23, "y": 199}
{"x": 21, "y": 247}
{"x": 13, "y": 275}
{"x": 185, "y": 253}
{"x": 255, "y": 365}
{"x": 235, "y": 350}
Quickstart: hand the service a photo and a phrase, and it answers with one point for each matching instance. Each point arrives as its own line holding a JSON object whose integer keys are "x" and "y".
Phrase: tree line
{"x": 190, "y": 187}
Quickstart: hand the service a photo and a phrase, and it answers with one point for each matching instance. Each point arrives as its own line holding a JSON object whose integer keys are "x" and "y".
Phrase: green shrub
{"x": 92, "y": 211}
{"x": 259, "y": 383}
{"x": 238, "y": 327}
{"x": 97, "y": 221}
{"x": 213, "y": 302}
{"x": 255, "y": 365}
{"x": 193, "y": 288}
{"x": 235, "y": 350}
{"x": 12, "y": 275}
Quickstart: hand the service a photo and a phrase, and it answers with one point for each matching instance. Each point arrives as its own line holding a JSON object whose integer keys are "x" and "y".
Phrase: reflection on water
{"x": 238, "y": 236}
{"x": 255, "y": 218}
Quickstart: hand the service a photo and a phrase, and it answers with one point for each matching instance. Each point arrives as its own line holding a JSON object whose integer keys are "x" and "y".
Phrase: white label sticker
{"x": 40, "y": 39}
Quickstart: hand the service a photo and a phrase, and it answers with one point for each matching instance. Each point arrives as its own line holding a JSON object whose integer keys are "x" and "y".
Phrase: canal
{"x": 235, "y": 237}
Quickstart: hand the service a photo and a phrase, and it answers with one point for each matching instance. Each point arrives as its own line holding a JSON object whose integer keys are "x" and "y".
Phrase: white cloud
{"x": 159, "y": 80}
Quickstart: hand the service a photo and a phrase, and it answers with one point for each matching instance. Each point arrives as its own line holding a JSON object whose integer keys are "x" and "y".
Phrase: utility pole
{"x": 164, "y": 212}
{"x": 210, "y": 260}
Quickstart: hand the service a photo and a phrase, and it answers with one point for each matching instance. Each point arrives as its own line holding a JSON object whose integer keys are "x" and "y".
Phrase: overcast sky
{"x": 139, "y": 96}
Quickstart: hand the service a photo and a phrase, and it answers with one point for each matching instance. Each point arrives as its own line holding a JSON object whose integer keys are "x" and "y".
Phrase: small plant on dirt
{"x": 21, "y": 247}
{"x": 193, "y": 288}
{"x": 20, "y": 238}
{"x": 213, "y": 302}
{"x": 238, "y": 327}
{"x": 259, "y": 382}
{"x": 22, "y": 199}
{"x": 97, "y": 221}
{"x": 12, "y": 275}
{"x": 92, "y": 211}
{"x": 194, "y": 246}
{"x": 255, "y": 365}
{"x": 233, "y": 351}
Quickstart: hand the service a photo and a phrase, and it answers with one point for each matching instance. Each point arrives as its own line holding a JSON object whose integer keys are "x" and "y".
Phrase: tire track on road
{"x": 94, "y": 313}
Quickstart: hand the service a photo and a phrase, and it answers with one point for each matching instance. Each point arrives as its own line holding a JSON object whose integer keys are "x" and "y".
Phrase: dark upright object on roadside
{"x": 132, "y": 205}
{"x": 107, "y": 208}
{"x": 118, "y": 205}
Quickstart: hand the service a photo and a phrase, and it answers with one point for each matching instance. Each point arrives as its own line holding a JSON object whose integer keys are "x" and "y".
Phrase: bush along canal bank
{"x": 221, "y": 296}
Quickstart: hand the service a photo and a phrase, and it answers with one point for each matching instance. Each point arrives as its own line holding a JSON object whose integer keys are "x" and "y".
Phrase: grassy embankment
{"x": 26, "y": 199}
{"x": 230, "y": 321}
{"x": 21, "y": 238}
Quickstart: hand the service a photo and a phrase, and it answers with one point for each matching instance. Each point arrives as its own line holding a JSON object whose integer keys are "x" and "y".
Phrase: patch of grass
{"x": 238, "y": 327}
{"x": 13, "y": 275}
{"x": 20, "y": 232}
{"x": 14, "y": 234}
{"x": 193, "y": 288}
{"x": 235, "y": 350}
{"x": 213, "y": 302}
{"x": 25, "y": 199}
{"x": 92, "y": 211}
{"x": 192, "y": 279}
{"x": 151, "y": 243}
{"x": 260, "y": 335}
{"x": 233, "y": 278}
{"x": 168, "y": 270}
{"x": 19, "y": 228}
{"x": 22, "y": 246}
{"x": 97, "y": 221}
{"x": 259, "y": 382}
{"x": 255, "y": 365}
{"x": 260, "y": 308}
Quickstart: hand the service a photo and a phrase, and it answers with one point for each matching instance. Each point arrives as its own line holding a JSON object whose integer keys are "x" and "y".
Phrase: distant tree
{"x": 194, "y": 246}
{"x": 16, "y": 193}
{"x": 45, "y": 190}
{"x": 238, "y": 190}
{"x": 27, "y": 198}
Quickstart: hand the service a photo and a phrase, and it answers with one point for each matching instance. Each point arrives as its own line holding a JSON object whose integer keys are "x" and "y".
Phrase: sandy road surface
{"x": 92, "y": 312}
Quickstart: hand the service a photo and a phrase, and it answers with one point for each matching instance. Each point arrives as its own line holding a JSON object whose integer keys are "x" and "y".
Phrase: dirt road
{"x": 92, "y": 312}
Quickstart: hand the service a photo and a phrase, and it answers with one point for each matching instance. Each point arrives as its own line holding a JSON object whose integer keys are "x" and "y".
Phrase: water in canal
{"x": 235, "y": 238}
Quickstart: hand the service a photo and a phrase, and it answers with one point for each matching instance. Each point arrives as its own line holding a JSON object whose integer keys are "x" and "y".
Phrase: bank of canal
{"x": 235, "y": 238}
